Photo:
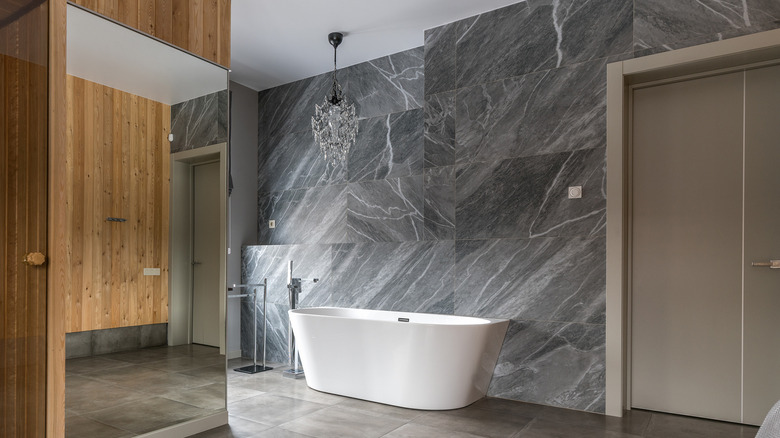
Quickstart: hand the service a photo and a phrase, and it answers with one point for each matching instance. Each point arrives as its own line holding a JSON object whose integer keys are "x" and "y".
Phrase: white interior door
{"x": 205, "y": 254}
{"x": 762, "y": 242}
{"x": 705, "y": 192}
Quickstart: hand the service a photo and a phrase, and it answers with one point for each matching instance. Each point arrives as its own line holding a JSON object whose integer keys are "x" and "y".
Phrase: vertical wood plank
{"x": 165, "y": 214}
{"x": 58, "y": 244}
{"x": 195, "y": 23}
{"x": 223, "y": 33}
{"x": 116, "y": 210}
{"x": 180, "y": 28}
{"x": 210, "y": 29}
{"x": 106, "y": 185}
{"x": 147, "y": 16}
{"x": 163, "y": 18}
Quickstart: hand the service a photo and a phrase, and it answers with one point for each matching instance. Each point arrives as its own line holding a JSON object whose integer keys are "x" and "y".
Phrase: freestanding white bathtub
{"x": 412, "y": 360}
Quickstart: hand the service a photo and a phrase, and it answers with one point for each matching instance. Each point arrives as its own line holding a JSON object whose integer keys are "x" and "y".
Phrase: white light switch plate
{"x": 151, "y": 271}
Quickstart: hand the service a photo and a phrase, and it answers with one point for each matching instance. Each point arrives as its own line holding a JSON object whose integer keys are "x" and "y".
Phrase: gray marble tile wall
{"x": 454, "y": 198}
{"x": 199, "y": 122}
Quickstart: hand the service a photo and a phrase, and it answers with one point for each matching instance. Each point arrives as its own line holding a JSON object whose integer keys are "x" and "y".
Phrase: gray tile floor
{"x": 130, "y": 393}
{"x": 266, "y": 405}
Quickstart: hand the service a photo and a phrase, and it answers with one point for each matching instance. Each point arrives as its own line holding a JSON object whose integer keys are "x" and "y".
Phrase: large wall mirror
{"x": 145, "y": 305}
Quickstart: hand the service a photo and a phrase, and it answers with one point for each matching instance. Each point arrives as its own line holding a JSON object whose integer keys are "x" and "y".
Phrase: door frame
{"x": 180, "y": 287}
{"x": 621, "y": 77}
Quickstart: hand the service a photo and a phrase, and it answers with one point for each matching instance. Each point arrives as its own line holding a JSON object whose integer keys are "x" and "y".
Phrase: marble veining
{"x": 386, "y": 85}
{"x": 388, "y": 210}
{"x": 270, "y": 262}
{"x": 661, "y": 23}
{"x": 389, "y": 146}
{"x": 439, "y": 207}
{"x": 539, "y": 113}
{"x": 552, "y": 363}
{"x": 440, "y": 65}
{"x": 288, "y": 108}
{"x": 316, "y": 215}
{"x": 544, "y": 279}
{"x": 520, "y": 39}
{"x": 404, "y": 276}
{"x": 295, "y": 162}
{"x": 526, "y": 197}
{"x": 440, "y": 129}
{"x": 199, "y": 122}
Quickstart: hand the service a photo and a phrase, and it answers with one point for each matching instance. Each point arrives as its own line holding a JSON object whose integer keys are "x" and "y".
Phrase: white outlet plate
{"x": 151, "y": 271}
{"x": 575, "y": 192}
{"x": 272, "y": 224}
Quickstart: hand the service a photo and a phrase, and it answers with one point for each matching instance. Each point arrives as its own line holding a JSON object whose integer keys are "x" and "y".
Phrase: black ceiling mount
{"x": 335, "y": 38}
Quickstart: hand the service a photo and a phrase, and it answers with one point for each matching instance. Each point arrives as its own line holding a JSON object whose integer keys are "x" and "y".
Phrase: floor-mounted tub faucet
{"x": 294, "y": 288}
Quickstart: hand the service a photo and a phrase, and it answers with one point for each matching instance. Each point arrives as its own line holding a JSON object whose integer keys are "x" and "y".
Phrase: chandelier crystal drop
{"x": 334, "y": 123}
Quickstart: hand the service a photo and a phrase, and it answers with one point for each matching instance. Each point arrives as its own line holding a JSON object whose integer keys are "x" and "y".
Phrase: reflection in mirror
{"x": 144, "y": 352}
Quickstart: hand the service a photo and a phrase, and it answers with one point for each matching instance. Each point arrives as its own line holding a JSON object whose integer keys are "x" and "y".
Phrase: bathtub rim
{"x": 482, "y": 321}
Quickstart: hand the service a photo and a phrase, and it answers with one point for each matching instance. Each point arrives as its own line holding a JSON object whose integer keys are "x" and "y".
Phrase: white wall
{"x": 243, "y": 200}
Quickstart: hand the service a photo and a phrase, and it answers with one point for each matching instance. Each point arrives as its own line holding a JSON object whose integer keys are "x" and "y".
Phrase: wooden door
{"x": 23, "y": 216}
{"x": 205, "y": 248}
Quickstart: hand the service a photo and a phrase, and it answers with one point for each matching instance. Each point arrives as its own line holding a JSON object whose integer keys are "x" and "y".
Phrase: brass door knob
{"x": 34, "y": 259}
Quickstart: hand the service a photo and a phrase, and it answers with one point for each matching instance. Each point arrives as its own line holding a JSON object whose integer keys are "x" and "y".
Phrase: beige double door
{"x": 705, "y": 323}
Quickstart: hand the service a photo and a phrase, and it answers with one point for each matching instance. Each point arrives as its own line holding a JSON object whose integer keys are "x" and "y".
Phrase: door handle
{"x": 772, "y": 264}
{"x": 34, "y": 259}
{"x": 195, "y": 263}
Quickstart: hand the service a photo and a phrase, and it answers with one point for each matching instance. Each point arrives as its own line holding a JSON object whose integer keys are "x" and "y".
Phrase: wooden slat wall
{"x": 198, "y": 26}
{"x": 118, "y": 166}
{"x": 55, "y": 322}
{"x": 23, "y": 220}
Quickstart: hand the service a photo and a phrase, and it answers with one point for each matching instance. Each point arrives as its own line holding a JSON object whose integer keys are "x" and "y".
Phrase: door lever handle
{"x": 195, "y": 263}
{"x": 772, "y": 264}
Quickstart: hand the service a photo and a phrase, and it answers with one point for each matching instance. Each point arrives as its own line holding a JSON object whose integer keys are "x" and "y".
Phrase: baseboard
{"x": 234, "y": 354}
{"x": 190, "y": 427}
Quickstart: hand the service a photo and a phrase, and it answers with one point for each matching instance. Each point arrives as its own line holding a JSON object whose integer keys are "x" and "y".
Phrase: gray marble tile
{"x": 439, "y": 208}
{"x": 295, "y": 161}
{"x": 385, "y": 211}
{"x": 289, "y": 108}
{"x": 552, "y": 363}
{"x": 316, "y": 215}
{"x": 199, "y": 122}
{"x": 270, "y": 261}
{"x": 440, "y": 61}
{"x": 658, "y": 23}
{"x": 440, "y": 129}
{"x": 519, "y": 39}
{"x": 389, "y": 146}
{"x": 386, "y": 85}
{"x": 551, "y": 111}
{"x": 408, "y": 276}
{"x": 543, "y": 279}
{"x": 527, "y": 197}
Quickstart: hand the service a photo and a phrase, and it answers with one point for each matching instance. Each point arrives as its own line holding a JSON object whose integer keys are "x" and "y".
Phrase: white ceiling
{"x": 275, "y": 42}
{"x": 104, "y": 52}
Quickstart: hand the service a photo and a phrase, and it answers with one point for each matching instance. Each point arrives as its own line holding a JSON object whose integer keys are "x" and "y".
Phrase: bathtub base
{"x": 410, "y": 360}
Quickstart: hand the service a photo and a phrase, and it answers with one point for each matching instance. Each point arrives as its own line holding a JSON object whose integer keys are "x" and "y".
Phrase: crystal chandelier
{"x": 334, "y": 123}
